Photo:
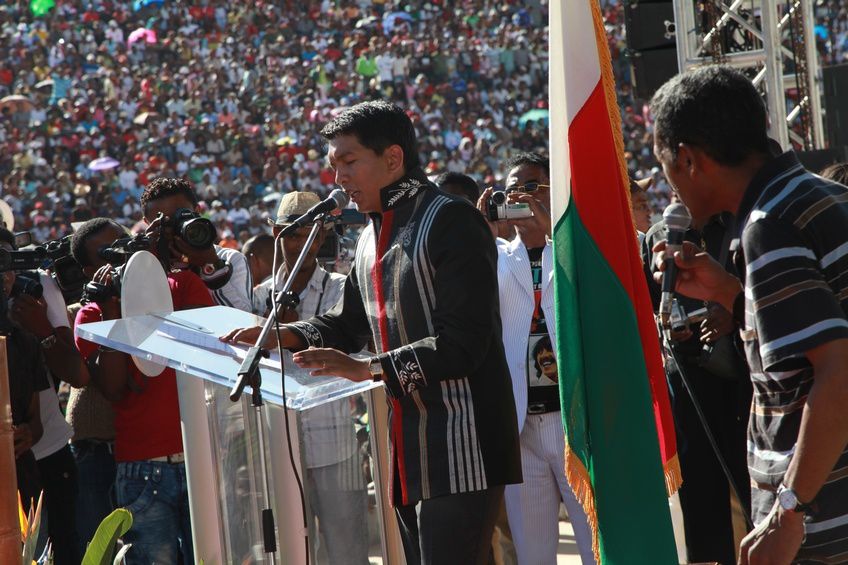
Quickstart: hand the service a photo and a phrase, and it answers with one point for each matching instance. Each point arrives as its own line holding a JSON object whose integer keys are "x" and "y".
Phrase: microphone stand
{"x": 249, "y": 375}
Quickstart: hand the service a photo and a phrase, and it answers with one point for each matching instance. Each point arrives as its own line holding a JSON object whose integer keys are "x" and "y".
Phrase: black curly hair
{"x": 84, "y": 233}
{"x": 163, "y": 187}
{"x": 716, "y": 109}
{"x": 377, "y": 125}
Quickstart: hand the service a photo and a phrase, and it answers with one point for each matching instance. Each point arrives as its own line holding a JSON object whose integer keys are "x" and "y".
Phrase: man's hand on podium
{"x": 288, "y": 339}
{"x": 334, "y": 363}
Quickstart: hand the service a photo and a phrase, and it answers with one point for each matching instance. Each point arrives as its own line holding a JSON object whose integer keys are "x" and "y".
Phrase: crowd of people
{"x": 231, "y": 95}
{"x": 100, "y": 99}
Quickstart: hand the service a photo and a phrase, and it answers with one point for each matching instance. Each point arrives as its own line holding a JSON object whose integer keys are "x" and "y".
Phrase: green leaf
{"x": 102, "y": 545}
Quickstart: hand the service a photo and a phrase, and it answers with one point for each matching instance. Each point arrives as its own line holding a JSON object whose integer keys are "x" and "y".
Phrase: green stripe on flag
{"x": 607, "y": 403}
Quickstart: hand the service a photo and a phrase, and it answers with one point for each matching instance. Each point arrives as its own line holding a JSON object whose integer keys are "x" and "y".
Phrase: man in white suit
{"x": 525, "y": 277}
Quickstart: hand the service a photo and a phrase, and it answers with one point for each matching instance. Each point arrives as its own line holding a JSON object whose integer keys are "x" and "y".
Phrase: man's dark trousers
{"x": 450, "y": 530}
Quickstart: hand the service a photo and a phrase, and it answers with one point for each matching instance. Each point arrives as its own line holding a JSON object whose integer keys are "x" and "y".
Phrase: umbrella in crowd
{"x": 140, "y": 4}
{"x": 534, "y": 115}
{"x": 142, "y": 33}
{"x": 16, "y": 103}
{"x": 41, "y": 7}
{"x": 44, "y": 84}
{"x": 103, "y": 164}
{"x": 144, "y": 117}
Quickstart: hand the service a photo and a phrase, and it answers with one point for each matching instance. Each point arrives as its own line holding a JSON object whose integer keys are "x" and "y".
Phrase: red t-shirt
{"x": 147, "y": 423}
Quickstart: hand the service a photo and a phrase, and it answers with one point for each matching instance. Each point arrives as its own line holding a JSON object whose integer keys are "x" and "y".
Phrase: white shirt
{"x": 328, "y": 433}
{"x": 238, "y": 292}
{"x": 385, "y": 66}
{"x": 57, "y": 432}
{"x": 238, "y": 216}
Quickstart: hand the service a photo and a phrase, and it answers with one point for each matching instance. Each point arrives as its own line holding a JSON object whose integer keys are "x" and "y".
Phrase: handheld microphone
{"x": 677, "y": 219}
{"x": 337, "y": 199}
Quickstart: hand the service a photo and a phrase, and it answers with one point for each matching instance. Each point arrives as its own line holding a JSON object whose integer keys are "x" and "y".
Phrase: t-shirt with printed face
{"x": 541, "y": 359}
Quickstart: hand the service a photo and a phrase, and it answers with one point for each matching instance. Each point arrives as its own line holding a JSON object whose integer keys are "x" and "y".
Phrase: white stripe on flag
{"x": 573, "y": 54}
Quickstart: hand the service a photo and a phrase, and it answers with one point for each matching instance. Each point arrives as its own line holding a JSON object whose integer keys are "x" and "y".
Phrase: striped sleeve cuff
{"x": 402, "y": 373}
{"x": 308, "y": 333}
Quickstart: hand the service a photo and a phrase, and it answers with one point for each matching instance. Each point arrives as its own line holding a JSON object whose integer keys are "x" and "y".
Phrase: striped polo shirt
{"x": 792, "y": 253}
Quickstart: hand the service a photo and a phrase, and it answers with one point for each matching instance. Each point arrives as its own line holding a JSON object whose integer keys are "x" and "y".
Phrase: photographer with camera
{"x": 27, "y": 377}
{"x": 151, "y": 475}
{"x": 527, "y": 310}
{"x": 185, "y": 240}
{"x": 719, "y": 377}
{"x": 40, "y": 309}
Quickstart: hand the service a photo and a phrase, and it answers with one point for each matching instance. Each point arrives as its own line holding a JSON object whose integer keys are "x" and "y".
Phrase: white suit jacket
{"x": 515, "y": 283}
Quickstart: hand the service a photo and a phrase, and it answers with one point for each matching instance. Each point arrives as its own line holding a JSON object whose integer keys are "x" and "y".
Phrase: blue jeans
{"x": 96, "y": 486}
{"x": 157, "y": 496}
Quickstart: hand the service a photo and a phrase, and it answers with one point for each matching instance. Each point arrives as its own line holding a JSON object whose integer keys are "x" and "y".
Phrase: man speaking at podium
{"x": 424, "y": 287}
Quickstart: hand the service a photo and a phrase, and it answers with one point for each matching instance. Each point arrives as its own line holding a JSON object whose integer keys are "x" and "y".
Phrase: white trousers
{"x": 533, "y": 506}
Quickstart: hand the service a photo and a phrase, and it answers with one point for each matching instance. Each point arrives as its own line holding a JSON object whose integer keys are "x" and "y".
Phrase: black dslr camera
{"x": 117, "y": 254}
{"x": 195, "y": 230}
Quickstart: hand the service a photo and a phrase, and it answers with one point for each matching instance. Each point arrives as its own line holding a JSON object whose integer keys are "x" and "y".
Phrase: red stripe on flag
{"x": 382, "y": 322}
{"x": 603, "y": 203}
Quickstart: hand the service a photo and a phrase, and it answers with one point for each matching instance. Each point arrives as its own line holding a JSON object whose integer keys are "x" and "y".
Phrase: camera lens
{"x": 499, "y": 197}
{"x": 198, "y": 232}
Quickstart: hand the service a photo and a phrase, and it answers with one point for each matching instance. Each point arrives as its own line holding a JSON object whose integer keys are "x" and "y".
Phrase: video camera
{"x": 53, "y": 256}
{"x": 346, "y": 217}
{"x": 117, "y": 254}
{"x": 498, "y": 207}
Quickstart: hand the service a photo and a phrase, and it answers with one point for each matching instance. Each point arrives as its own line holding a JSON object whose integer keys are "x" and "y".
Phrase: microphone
{"x": 337, "y": 199}
{"x": 677, "y": 219}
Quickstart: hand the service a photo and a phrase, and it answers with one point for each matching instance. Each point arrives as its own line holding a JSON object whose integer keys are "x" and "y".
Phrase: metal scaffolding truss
{"x": 773, "y": 41}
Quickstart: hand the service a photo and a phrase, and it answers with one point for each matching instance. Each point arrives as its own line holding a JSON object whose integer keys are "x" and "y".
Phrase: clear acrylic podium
{"x": 337, "y": 439}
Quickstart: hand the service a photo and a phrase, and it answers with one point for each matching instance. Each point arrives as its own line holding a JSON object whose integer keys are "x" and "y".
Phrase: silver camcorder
{"x": 499, "y": 208}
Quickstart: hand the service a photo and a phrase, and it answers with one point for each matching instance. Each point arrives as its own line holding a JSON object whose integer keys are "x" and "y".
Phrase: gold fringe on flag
{"x": 580, "y": 482}
{"x": 671, "y": 468}
{"x": 609, "y": 91}
{"x": 673, "y": 475}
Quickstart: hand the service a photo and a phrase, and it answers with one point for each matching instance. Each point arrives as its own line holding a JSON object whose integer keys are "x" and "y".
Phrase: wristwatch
{"x": 376, "y": 369}
{"x": 49, "y": 341}
{"x": 789, "y": 501}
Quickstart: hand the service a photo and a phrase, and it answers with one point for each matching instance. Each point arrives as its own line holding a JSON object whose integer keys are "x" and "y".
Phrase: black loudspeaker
{"x": 651, "y": 69}
{"x": 835, "y": 85}
{"x": 649, "y": 24}
{"x": 651, "y": 43}
{"x": 816, "y": 161}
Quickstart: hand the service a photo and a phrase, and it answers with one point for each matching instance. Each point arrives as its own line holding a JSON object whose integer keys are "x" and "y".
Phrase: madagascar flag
{"x": 614, "y": 397}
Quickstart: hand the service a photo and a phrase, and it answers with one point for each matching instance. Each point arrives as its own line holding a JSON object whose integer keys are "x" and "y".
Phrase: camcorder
{"x": 117, "y": 254}
{"x": 53, "y": 257}
{"x": 498, "y": 207}
{"x": 346, "y": 217}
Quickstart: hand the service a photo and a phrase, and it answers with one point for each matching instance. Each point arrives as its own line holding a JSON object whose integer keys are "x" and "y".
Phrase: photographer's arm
{"x": 109, "y": 369}
{"x": 62, "y": 357}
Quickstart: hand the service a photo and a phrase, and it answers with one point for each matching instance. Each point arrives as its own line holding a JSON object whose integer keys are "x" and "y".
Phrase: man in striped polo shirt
{"x": 791, "y": 250}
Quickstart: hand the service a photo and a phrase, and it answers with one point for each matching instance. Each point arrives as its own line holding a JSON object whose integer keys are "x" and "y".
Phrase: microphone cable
{"x": 277, "y": 241}
{"x": 710, "y": 437}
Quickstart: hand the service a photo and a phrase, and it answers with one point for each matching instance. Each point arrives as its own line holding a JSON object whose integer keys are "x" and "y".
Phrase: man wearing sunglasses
{"x": 525, "y": 277}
